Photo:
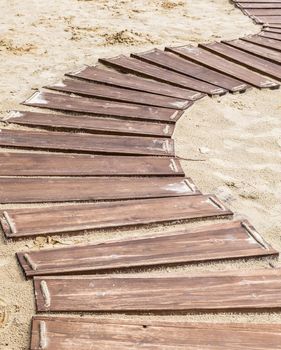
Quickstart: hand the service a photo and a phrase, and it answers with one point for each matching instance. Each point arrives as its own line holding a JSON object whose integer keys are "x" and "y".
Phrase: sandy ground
{"x": 235, "y": 138}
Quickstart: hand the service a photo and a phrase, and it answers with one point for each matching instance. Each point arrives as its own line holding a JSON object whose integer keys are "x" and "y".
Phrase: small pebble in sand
{"x": 204, "y": 150}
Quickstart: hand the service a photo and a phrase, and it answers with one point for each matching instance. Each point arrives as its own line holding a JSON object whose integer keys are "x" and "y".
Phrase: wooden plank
{"x": 272, "y": 26}
{"x": 101, "y": 107}
{"x": 222, "y": 65}
{"x": 86, "y": 143}
{"x": 134, "y": 82}
{"x": 53, "y": 164}
{"x": 90, "y": 124}
{"x": 220, "y": 291}
{"x": 262, "y": 5}
{"x": 257, "y": 1}
{"x": 257, "y": 50}
{"x": 265, "y": 42}
{"x": 133, "y": 65}
{"x": 267, "y": 19}
{"x": 173, "y": 62}
{"x": 275, "y": 36}
{"x": 35, "y": 190}
{"x": 84, "y": 333}
{"x": 90, "y": 89}
{"x": 272, "y": 30}
{"x": 263, "y": 12}
{"x": 217, "y": 241}
{"x": 245, "y": 59}
{"x": 33, "y": 221}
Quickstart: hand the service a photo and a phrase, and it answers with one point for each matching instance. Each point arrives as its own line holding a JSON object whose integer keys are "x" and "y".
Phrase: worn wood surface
{"x": 55, "y": 219}
{"x": 228, "y": 290}
{"x": 245, "y": 59}
{"x": 114, "y": 78}
{"x": 267, "y": 19}
{"x": 272, "y": 29}
{"x": 261, "y": 5}
{"x": 101, "y": 107}
{"x": 135, "y": 66}
{"x": 263, "y": 12}
{"x": 224, "y": 66}
{"x": 90, "y": 89}
{"x": 34, "y": 190}
{"x": 275, "y": 36}
{"x": 91, "y": 124}
{"x": 209, "y": 242}
{"x": 86, "y": 143}
{"x": 77, "y": 333}
{"x": 53, "y": 164}
{"x": 257, "y": 50}
{"x": 258, "y": 40}
{"x": 174, "y": 62}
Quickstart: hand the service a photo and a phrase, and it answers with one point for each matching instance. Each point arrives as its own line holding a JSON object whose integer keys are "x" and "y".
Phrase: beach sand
{"x": 234, "y": 140}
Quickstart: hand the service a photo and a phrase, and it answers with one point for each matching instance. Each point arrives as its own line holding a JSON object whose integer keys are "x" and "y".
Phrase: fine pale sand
{"x": 234, "y": 140}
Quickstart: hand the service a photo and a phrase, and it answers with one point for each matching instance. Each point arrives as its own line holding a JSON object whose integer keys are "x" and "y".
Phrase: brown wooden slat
{"x": 257, "y": 50}
{"x": 34, "y": 190}
{"x": 52, "y": 164}
{"x": 135, "y": 66}
{"x": 90, "y": 124}
{"x": 80, "y": 333}
{"x": 86, "y": 143}
{"x": 265, "y": 42}
{"x": 245, "y": 59}
{"x": 261, "y": 5}
{"x": 275, "y": 36}
{"x": 33, "y": 221}
{"x": 278, "y": 26}
{"x": 222, "y": 65}
{"x": 101, "y": 107}
{"x": 272, "y": 29}
{"x": 134, "y": 82}
{"x": 227, "y": 290}
{"x": 263, "y": 12}
{"x": 217, "y": 241}
{"x": 90, "y": 89}
{"x": 173, "y": 62}
{"x": 267, "y": 19}
{"x": 257, "y": 1}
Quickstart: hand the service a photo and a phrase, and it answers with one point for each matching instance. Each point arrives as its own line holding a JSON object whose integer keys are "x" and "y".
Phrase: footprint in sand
{"x": 4, "y": 314}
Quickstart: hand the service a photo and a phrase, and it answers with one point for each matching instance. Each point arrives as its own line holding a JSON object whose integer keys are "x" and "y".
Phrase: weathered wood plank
{"x": 114, "y": 78}
{"x": 222, "y": 65}
{"x": 245, "y": 59}
{"x": 86, "y": 143}
{"x": 257, "y": 50}
{"x": 265, "y": 42}
{"x": 91, "y": 89}
{"x": 272, "y": 29}
{"x": 53, "y": 164}
{"x": 90, "y": 124}
{"x": 263, "y": 12}
{"x": 135, "y": 66}
{"x": 35, "y": 190}
{"x": 275, "y": 36}
{"x": 209, "y": 242}
{"x": 71, "y": 218}
{"x": 267, "y": 19}
{"x": 77, "y": 333}
{"x": 228, "y": 290}
{"x": 261, "y": 5}
{"x": 105, "y": 107}
{"x": 174, "y": 62}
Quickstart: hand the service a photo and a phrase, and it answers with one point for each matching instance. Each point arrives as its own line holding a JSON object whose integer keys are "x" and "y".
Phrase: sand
{"x": 235, "y": 139}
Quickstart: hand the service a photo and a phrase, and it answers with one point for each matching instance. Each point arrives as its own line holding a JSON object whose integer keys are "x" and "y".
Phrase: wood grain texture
{"x": 175, "y": 63}
{"x": 101, "y": 107}
{"x": 91, "y": 124}
{"x": 208, "y": 242}
{"x": 90, "y": 89}
{"x": 77, "y": 333}
{"x": 80, "y": 142}
{"x": 135, "y": 66}
{"x": 275, "y": 36}
{"x": 267, "y": 19}
{"x": 265, "y": 42}
{"x": 245, "y": 59}
{"x": 228, "y": 290}
{"x": 256, "y": 50}
{"x": 36, "y": 190}
{"x": 54, "y": 164}
{"x": 114, "y": 78}
{"x": 224, "y": 66}
{"x": 272, "y": 29}
{"x": 33, "y": 221}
